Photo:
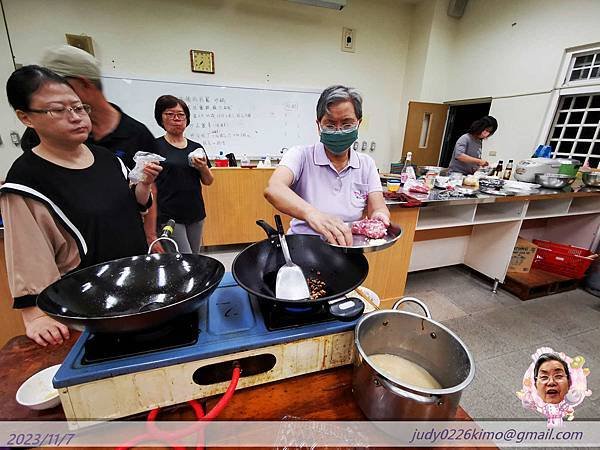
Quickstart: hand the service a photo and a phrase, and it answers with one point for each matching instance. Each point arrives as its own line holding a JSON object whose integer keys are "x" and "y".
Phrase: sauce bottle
{"x": 508, "y": 170}
{"x": 498, "y": 170}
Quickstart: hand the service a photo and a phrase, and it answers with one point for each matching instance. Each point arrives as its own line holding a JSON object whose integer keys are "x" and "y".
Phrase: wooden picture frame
{"x": 81, "y": 41}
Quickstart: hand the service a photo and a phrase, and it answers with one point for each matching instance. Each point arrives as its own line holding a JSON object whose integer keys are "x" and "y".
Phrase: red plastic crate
{"x": 562, "y": 259}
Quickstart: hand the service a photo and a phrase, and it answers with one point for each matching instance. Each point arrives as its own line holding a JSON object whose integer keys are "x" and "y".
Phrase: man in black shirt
{"x": 111, "y": 127}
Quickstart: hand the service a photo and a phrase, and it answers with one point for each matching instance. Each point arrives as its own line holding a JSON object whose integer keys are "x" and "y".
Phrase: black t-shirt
{"x": 129, "y": 137}
{"x": 105, "y": 223}
{"x": 179, "y": 188}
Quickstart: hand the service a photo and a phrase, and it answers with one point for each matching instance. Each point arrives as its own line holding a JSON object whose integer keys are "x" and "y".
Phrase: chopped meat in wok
{"x": 372, "y": 228}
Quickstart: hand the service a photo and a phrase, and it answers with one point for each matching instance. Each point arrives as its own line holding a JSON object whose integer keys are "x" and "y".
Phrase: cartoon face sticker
{"x": 554, "y": 384}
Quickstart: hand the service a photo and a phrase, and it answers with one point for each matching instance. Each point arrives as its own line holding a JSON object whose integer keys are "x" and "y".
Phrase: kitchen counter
{"x": 481, "y": 231}
{"x": 328, "y": 398}
{"x": 436, "y": 197}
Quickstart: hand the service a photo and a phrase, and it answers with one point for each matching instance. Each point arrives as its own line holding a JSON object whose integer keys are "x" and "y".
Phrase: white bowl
{"x": 37, "y": 391}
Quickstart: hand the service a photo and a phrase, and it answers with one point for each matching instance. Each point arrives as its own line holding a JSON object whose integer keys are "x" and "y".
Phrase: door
{"x": 460, "y": 118}
{"x": 424, "y": 132}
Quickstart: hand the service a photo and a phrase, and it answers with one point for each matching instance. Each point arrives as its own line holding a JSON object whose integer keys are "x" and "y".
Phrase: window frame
{"x": 563, "y": 88}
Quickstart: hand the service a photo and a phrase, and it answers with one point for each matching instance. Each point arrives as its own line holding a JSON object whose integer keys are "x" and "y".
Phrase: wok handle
{"x": 416, "y": 301}
{"x": 168, "y": 229}
{"x": 165, "y": 235}
{"x": 163, "y": 239}
{"x": 271, "y": 232}
{"x": 279, "y": 224}
{"x": 346, "y": 309}
{"x": 406, "y": 394}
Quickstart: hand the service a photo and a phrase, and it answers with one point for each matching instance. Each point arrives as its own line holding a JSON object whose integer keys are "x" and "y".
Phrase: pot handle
{"x": 406, "y": 394}
{"x": 271, "y": 232}
{"x": 166, "y": 234}
{"x": 416, "y": 301}
{"x": 346, "y": 309}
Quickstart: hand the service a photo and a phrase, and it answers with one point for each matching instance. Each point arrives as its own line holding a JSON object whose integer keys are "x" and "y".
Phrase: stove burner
{"x": 279, "y": 317}
{"x": 180, "y": 332}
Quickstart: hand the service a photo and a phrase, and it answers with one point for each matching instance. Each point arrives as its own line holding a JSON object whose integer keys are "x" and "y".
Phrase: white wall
{"x": 256, "y": 43}
{"x": 429, "y": 60}
{"x": 420, "y": 30}
{"x": 8, "y": 122}
{"x": 512, "y": 47}
{"x": 439, "y": 54}
{"x": 520, "y": 121}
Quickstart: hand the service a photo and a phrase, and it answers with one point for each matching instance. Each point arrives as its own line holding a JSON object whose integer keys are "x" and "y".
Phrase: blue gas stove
{"x": 273, "y": 343}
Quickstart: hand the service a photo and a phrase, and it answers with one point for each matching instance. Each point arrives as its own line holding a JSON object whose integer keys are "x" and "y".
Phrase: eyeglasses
{"x": 545, "y": 379}
{"x": 345, "y": 128}
{"x": 172, "y": 116}
{"x": 61, "y": 113}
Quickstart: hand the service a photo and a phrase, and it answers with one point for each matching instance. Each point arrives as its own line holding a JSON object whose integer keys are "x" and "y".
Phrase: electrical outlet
{"x": 492, "y": 152}
{"x": 348, "y": 39}
{"x": 372, "y": 147}
{"x": 364, "y": 146}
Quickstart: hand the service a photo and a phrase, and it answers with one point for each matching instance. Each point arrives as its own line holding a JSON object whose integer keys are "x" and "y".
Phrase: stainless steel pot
{"x": 553, "y": 180}
{"x": 420, "y": 340}
{"x": 591, "y": 179}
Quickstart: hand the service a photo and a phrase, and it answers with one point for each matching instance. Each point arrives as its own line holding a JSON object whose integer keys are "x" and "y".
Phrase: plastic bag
{"x": 198, "y": 153}
{"x": 141, "y": 159}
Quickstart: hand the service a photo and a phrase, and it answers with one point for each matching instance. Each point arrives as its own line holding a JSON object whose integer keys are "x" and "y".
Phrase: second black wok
{"x": 255, "y": 270}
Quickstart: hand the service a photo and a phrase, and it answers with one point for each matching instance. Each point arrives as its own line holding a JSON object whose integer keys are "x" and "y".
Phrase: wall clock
{"x": 202, "y": 61}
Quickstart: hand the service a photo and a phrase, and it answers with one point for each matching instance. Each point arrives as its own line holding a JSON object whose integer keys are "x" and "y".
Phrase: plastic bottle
{"x": 246, "y": 161}
{"x": 508, "y": 170}
{"x": 407, "y": 171}
{"x": 221, "y": 161}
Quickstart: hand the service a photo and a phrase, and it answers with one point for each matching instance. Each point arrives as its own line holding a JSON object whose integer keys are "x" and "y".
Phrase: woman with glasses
{"x": 180, "y": 183}
{"x": 552, "y": 378}
{"x": 325, "y": 185}
{"x": 66, "y": 205}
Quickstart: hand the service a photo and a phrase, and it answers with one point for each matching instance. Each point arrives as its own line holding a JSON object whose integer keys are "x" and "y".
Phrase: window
{"x": 575, "y": 131}
{"x": 585, "y": 67}
{"x": 572, "y": 126}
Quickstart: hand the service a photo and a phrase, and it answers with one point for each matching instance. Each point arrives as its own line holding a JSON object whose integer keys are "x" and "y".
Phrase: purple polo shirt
{"x": 316, "y": 180}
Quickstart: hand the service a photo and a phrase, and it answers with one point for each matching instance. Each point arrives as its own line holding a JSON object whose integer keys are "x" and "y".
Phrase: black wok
{"x": 255, "y": 270}
{"x": 132, "y": 294}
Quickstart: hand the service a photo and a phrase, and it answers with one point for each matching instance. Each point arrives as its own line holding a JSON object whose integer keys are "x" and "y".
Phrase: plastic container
{"x": 569, "y": 168}
{"x": 562, "y": 259}
{"x": 221, "y": 161}
{"x": 247, "y": 162}
{"x": 393, "y": 185}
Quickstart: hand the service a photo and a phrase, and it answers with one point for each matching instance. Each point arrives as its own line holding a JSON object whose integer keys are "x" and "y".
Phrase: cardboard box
{"x": 522, "y": 256}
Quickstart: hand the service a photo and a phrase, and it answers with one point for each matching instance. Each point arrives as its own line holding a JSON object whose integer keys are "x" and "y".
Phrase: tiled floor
{"x": 502, "y": 332}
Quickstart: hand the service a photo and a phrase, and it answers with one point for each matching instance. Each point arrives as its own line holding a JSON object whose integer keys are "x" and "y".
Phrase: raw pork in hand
{"x": 372, "y": 228}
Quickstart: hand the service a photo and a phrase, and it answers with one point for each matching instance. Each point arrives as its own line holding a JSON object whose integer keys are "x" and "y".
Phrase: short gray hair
{"x": 337, "y": 94}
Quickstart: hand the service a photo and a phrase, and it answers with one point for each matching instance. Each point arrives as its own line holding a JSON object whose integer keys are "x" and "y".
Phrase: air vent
{"x": 332, "y": 4}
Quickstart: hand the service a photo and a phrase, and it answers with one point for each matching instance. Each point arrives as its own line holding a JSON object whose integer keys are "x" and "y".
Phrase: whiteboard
{"x": 239, "y": 120}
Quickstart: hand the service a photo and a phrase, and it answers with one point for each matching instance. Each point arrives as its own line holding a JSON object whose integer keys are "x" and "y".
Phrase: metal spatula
{"x": 290, "y": 283}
